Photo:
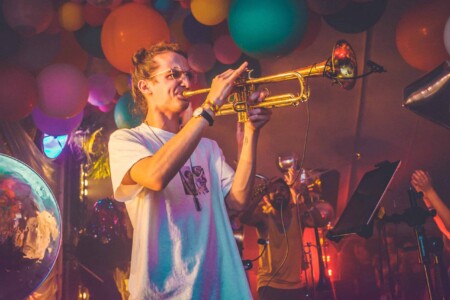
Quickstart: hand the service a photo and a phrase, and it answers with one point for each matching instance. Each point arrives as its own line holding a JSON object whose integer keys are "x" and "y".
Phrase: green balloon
{"x": 123, "y": 112}
{"x": 267, "y": 28}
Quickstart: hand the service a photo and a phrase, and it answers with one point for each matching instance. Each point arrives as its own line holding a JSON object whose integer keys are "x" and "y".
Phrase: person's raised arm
{"x": 421, "y": 182}
{"x": 240, "y": 193}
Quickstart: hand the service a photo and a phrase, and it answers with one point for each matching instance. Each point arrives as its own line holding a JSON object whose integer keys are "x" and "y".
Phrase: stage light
{"x": 53, "y": 145}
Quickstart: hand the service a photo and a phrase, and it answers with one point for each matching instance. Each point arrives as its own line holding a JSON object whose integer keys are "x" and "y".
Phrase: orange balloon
{"x": 128, "y": 28}
{"x": 419, "y": 35}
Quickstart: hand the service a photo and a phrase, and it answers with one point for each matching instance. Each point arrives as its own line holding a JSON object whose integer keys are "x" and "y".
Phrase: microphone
{"x": 248, "y": 263}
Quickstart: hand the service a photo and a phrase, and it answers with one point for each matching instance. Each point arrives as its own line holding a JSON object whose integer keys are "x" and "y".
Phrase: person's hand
{"x": 258, "y": 117}
{"x": 222, "y": 85}
{"x": 421, "y": 181}
{"x": 292, "y": 179}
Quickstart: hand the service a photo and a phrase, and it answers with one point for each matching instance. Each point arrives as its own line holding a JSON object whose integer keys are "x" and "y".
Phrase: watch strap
{"x": 207, "y": 117}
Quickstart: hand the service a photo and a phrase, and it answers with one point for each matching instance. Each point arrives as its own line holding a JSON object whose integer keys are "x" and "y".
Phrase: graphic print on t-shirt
{"x": 194, "y": 180}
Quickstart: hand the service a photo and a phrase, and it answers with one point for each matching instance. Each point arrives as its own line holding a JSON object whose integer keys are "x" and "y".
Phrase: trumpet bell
{"x": 342, "y": 66}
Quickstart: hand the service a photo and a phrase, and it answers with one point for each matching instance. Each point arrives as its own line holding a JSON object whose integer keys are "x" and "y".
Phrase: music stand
{"x": 358, "y": 215}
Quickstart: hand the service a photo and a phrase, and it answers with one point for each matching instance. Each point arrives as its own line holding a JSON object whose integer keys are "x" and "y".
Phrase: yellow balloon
{"x": 210, "y": 12}
{"x": 71, "y": 16}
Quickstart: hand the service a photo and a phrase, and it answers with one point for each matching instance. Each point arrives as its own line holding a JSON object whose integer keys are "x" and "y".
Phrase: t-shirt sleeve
{"x": 226, "y": 171}
{"x": 125, "y": 149}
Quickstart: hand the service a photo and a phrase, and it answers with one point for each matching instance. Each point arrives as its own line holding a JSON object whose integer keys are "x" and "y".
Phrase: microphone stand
{"x": 415, "y": 217}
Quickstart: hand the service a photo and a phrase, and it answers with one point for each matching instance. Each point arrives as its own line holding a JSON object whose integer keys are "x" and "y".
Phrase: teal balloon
{"x": 123, "y": 112}
{"x": 267, "y": 28}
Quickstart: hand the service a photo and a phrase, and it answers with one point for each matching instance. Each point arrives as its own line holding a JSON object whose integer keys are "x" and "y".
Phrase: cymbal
{"x": 30, "y": 229}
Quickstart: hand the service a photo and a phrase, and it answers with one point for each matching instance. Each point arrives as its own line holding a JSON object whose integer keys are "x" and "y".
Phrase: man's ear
{"x": 144, "y": 87}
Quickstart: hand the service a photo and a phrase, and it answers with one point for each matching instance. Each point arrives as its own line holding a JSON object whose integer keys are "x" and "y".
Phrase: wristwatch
{"x": 201, "y": 112}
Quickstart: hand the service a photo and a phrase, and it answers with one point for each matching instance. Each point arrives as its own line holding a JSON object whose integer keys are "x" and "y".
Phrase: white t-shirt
{"x": 179, "y": 252}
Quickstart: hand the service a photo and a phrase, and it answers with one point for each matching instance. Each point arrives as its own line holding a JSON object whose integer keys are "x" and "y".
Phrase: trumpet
{"x": 341, "y": 68}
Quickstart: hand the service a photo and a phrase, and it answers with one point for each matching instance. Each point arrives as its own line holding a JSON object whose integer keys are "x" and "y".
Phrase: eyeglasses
{"x": 176, "y": 74}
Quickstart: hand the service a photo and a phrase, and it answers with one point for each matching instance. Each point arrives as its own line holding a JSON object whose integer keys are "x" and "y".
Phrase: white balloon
{"x": 447, "y": 35}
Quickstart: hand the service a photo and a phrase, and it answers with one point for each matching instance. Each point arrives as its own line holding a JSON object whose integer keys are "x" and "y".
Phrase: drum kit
{"x": 321, "y": 213}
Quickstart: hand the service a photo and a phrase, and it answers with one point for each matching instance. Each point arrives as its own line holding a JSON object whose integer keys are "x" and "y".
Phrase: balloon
{"x": 107, "y": 107}
{"x": 70, "y": 52}
{"x": 185, "y": 3}
{"x": 357, "y": 17}
{"x": 89, "y": 39}
{"x": 327, "y": 7}
{"x": 94, "y": 15}
{"x": 447, "y": 36}
{"x": 101, "y": 89}
{"x": 312, "y": 30}
{"x": 177, "y": 34}
{"x": 28, "y": 17}
{"x": 210, "y": 12}
{"x": 196, "y": 32}
{"x": 264, "y": 28}
{"x": 18, "y": 93}
{"x": 38, "y": 51}
{"x": 123, "y": 115}
{"x": 220, "y": 30}
{"x": 201, "y": 57}
{"x": 63, "y": 91}
{"x": 71, "y": 16}
{"x": 163, "y": 6}
{"x": 55, "y": 126}
{"x": 128, "y": 28}
{"x": 225, "y": 50}
{"x": 9, "y": 41}
{"x": 54, "y": 27}
{"x": 253, "y": 65}
{"x": 419, "y": 35}
{"x": 101, "y": 3}
{"x": 122, "y": 83}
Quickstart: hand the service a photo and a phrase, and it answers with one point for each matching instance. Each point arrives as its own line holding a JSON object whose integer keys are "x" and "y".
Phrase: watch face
{"x": 197, "y": 112}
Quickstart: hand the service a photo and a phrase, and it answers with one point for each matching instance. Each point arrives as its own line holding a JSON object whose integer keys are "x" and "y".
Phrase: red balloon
{"x": 18, "y": 93}
{"x": 94, "y": 15}
{"x": 128, "y": 28}
{"x": 226, "y": 51}
{"x": 312, "y": 30}
{"x": 419, "y": 35}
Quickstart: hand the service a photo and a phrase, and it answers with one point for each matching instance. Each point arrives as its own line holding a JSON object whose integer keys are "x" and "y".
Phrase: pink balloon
{"x": 63, "y": 91}
{"x": 201, "y": 57}
{"x": 226, "y": 50}
{"x": 55, "y": 126}
{"x": 28, "y": 17}
{"x": 18, "y": 93}
{"x": 101, "y": 89}
{"x": 107, "y": 107}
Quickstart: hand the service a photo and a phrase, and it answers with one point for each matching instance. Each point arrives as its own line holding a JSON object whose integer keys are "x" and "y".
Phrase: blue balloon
{"x": 267, "y": 28}
{"x": 195, "y": 31}
{"x": 123, "y": 112}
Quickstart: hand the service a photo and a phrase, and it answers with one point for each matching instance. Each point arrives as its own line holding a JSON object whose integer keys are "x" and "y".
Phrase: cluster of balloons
{"x": 423, "y": 34}
{"x": 56, "y": 54}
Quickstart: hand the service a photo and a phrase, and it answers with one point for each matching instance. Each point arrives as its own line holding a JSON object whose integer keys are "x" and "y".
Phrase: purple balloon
{"x": 55, "y": 126}
{"x": 101, "y": 89}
